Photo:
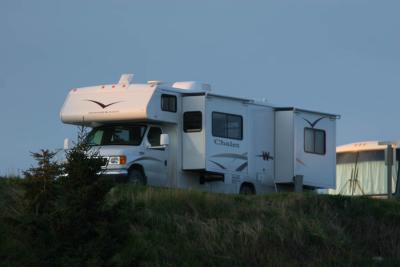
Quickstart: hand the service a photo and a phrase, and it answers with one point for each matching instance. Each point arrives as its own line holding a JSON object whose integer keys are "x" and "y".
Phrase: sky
{"x": 337, "y": 56}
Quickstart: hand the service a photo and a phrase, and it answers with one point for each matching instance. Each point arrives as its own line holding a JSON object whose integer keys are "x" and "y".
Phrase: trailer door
{"x": 155, "y": 158}
{"x": 263, "y": 150}
{"x": 193, "y": 133}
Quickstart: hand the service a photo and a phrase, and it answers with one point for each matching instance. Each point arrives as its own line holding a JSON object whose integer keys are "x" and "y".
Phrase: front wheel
{"x": 136, "y": 177}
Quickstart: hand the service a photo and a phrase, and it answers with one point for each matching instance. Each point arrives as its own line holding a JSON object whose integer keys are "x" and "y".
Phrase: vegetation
{"x": 159, "y": 227}
{"x": 56, "y": 216}
{"x": 79, "y": 219}
{"x": 178, "y": 227}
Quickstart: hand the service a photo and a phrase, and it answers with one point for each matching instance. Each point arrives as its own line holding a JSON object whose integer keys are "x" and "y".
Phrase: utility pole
{"x": 389, "y": 165}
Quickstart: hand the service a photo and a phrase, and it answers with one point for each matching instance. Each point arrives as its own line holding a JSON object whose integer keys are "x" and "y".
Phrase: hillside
{"x": 169, "y": 227}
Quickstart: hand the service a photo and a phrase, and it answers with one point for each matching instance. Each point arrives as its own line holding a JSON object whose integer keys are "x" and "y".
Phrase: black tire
{"x": 247, "y": 189}
{"x": 136, "y": 177}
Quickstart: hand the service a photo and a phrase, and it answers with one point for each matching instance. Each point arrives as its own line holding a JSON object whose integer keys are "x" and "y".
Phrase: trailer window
{"x": 314, "y": 141}
{"x": 168, "y": 103}
{"x": 227, "y": 125}
{"x": 192, "y": 121}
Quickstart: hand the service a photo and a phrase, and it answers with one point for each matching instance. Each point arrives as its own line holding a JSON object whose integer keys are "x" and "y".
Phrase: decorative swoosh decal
{"x": 219, "y": 165}
{"x": 312, "y": 124}
{"x": 103, "y": 106}
{"x": 301, "y": 162}
{"x": 147, "y": 158}
{"x": 231, "y": 155}
{"x": 241, "y": 167}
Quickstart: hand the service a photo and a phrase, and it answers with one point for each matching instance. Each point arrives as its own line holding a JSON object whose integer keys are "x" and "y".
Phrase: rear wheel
{"x": 247, "y": 189}
{"x": 136, "y": 177}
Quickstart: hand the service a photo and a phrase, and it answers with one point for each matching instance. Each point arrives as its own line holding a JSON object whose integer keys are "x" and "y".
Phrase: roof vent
{"x": 191, "y": 85}
{"x": 154, "y": 83}
{"x": 125, "y": 79}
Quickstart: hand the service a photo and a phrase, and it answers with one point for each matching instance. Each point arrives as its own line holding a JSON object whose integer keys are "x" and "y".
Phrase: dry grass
{"x": 179, "y": 227}
{"x": 171, "y": 227}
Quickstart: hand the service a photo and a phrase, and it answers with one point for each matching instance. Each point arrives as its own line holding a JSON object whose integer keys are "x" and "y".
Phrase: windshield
{"x": 116, "y": 135}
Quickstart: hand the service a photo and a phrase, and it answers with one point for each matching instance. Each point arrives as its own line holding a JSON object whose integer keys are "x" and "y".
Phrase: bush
{"x": 65, "y": 221}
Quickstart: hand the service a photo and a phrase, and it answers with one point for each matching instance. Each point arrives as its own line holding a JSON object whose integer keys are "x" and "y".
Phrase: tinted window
{"x": 219, "y": 124}
{"x": 116, "y": 135}
{"x": 314, "y": 141}
{"x": 192, "y": 121}
{"x": 154, "y": 136}
{"x": 234, "y": 125}
{"x": 227, "y": 125}
{"x": 168, "y": 103}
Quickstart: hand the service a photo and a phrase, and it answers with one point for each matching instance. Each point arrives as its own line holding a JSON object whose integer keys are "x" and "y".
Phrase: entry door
{"x": 193, "y": 133}
{"x": 263, "y": 144}
{"x": 155, "y": 158}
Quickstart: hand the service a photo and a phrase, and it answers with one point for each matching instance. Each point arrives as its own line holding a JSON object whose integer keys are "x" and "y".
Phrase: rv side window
{"x": 168, "y": 103}
{"x": 153, "y": 136}
{"x": 314, "y": 141}
{"x": 192, "y": 121}
{"x": 227, "y": 125}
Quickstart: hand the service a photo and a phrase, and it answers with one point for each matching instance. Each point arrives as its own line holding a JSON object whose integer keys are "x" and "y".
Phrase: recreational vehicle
{"x": 183, "y": 135}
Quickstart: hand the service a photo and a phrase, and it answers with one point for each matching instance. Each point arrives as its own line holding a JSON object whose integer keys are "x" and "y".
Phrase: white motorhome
{"x": 183, "y": 135}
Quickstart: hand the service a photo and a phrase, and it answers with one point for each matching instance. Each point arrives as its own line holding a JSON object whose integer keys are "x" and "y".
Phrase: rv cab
{"x": 132, "y": 148}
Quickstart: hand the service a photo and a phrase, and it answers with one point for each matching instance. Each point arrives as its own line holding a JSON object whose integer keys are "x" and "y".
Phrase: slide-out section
{"x": 305, "y": 144}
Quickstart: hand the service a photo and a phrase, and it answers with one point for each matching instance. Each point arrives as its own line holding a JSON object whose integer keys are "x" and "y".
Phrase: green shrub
{"x": 63, "y": 220}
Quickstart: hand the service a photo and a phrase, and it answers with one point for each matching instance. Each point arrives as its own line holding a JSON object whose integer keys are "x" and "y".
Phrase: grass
{"x": 172, "y": 227}
{"x": 180, "y": 227}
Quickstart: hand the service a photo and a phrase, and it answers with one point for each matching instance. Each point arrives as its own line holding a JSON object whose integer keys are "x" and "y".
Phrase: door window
{"x": 154, "y": 136}
{"x": 192, "y": 121}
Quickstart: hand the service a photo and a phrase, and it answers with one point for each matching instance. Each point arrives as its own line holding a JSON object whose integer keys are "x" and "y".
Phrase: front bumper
{"x": 118, "y": 175}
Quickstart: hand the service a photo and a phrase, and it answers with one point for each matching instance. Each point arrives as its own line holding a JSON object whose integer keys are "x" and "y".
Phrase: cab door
{"x": 155, "y": 158}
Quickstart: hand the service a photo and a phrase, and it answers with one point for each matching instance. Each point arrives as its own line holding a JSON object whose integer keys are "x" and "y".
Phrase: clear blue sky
{"x": 339, "y": 56}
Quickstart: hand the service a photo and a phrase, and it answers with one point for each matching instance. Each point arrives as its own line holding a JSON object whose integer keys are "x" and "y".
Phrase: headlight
{"x": 117, "y": 160}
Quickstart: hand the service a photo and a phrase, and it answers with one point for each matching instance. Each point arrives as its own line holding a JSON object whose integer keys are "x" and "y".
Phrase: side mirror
{"x": 67, "y": 144}
{"x": 164, "y": 140}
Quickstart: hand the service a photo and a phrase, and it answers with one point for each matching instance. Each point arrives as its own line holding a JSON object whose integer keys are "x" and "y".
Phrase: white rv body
{"x": 216, "y": 143}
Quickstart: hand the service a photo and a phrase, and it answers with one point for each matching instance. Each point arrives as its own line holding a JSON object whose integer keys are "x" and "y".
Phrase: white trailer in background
{"x": 361, "y": 169}
{"x": 182, "y": 135}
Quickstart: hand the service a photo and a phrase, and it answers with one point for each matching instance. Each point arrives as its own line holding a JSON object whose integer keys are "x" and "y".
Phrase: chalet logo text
{"x": 225, "y": 143}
